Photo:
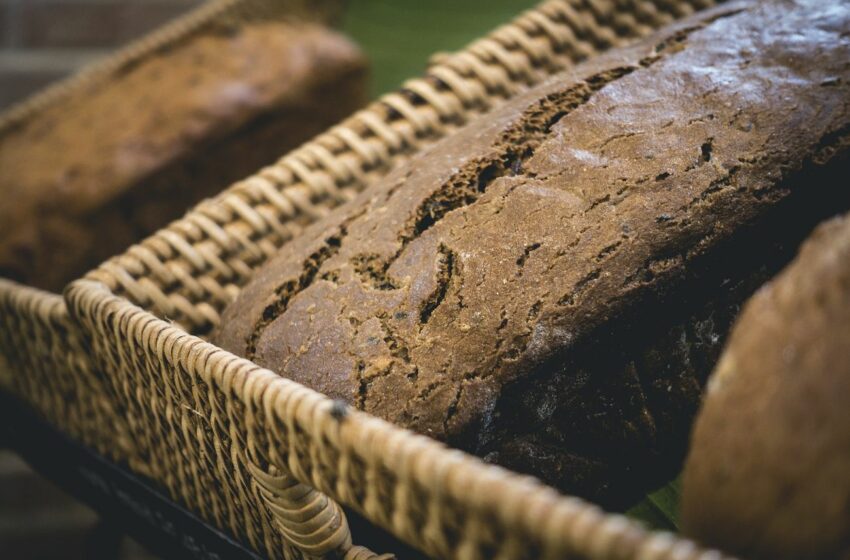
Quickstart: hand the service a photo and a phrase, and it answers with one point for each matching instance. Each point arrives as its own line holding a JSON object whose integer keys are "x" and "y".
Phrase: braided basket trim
{"x": 443, "y": 501}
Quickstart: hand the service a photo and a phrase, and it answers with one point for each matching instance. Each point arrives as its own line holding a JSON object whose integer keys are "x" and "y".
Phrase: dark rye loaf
{"x": 549, "y": 287}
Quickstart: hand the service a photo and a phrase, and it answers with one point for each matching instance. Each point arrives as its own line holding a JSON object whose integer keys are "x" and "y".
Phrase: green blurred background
{"x": 400, "y": 35}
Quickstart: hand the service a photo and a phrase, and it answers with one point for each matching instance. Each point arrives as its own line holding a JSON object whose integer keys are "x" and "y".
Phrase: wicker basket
{"x": 268, "y": 459}
{"x": 42, "y": 360}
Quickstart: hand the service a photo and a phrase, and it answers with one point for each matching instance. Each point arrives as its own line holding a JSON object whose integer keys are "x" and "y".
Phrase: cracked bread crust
{"x": 459, "y": 296}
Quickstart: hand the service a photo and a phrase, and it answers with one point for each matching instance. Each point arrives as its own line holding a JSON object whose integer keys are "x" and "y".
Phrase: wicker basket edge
{"x": 473, "y": 507}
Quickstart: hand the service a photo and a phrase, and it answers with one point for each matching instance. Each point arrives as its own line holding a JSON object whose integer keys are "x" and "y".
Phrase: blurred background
{"x": 44, "y": 40}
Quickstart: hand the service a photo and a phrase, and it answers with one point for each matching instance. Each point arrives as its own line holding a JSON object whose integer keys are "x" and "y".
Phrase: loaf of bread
{"x": 113, "y": 162}
{"x": 549, "y": 287}
{"x": 768, "y": 474}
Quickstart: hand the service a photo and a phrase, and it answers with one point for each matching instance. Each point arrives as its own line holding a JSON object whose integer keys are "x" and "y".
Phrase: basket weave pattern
{"x": 244, "y": 422}
{"x": 239, "y": 444}
{"x": 47, "y": 365}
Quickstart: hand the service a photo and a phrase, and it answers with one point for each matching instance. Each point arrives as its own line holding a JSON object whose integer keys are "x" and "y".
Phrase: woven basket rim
{"x": 41, "y": 302}
{"x": 561, "y": 526}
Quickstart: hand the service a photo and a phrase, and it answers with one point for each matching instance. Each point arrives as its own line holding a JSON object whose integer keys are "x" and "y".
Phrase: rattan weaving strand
{"x": 48, "y": 366}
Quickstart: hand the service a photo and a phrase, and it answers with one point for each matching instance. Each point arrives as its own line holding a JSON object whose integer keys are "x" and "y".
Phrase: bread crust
{"x": 483, "y": 293}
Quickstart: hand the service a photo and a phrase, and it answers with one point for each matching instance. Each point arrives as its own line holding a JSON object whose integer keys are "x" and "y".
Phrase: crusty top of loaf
{"x": 495, "y": 253}
{"x": 104, "y": 140}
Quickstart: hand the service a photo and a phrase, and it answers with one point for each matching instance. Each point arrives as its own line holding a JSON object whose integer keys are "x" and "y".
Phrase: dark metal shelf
{"x": 134, "y": 504}
{"x": 128, "y": 501}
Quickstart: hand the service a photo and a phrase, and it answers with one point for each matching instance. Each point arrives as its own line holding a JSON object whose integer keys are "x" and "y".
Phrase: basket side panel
{"x": 46, "y": 364}
{"x": 184, "y": 430}
{"x": 442, "y": 501}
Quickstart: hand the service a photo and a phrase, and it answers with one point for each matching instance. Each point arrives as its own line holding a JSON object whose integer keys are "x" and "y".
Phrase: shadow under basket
{"x": 269, "y": 460}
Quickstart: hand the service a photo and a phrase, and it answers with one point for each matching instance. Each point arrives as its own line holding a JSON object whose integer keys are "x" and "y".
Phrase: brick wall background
{"x": 44, "y": 40}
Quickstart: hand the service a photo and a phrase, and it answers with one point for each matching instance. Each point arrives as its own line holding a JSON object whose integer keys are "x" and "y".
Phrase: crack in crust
{"x": 289, "y": 289}
{"x": 286, "y": 291}
{"x": 447, "y": 265}
{"x": 463, "y": 189}
{"x": 517, "y": 144}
